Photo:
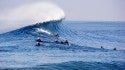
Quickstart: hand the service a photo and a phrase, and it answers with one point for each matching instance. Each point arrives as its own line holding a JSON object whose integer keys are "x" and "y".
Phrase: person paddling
{"x": 57, "y": 36}
{"x": 38, "y": 40}
{"x": 102, "y": 47}
{"x": 114, "y": 49}
{"x": 66, "y": 42}
{"x": 57, "y": 41}
{"x": 38, "y": 44}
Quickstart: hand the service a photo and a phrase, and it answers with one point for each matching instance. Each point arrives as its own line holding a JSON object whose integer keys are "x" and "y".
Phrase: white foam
{"x": 29, "y": 14}
{"x": 44, "y": 31}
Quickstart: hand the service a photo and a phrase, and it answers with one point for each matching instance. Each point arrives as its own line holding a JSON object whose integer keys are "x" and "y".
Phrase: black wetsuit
{"x": 38, "y": 40}
{"x": 57, "y": 35}
{"x": 62, "y": 42}
{"x": 57, "y": 42}
{"x": 38, "y": 44}
{"x": 66, "y": 42}
{"x": 114, "y": 49}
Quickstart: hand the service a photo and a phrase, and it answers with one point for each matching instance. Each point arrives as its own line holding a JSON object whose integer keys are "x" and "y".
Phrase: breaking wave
{"x": 30, "y": 14}
{"x": 20, "y": 43}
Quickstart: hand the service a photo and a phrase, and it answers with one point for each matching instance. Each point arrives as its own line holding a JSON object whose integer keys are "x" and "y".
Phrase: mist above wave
{"x": 29, "y": 14}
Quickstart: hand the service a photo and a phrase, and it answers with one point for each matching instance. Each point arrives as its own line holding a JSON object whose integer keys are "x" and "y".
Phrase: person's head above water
{"x": 57, "y": 35}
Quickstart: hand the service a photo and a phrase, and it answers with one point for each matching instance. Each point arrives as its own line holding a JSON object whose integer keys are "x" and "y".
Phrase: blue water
{"x": 18, "y": 50}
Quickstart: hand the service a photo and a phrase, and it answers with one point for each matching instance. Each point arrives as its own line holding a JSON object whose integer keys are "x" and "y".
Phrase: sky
{"x": 85, "y": 10}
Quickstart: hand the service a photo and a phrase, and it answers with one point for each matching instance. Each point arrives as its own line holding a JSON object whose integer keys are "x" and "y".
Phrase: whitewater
{"x": 18, "y": 50}
{"x": 29, "y": 14}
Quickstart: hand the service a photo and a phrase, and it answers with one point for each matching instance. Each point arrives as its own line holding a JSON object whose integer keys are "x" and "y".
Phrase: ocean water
{"x": 18, "y": 50}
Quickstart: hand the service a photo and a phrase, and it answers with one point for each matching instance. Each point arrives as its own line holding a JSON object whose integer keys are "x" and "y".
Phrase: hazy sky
{"x": 86, "y": 10}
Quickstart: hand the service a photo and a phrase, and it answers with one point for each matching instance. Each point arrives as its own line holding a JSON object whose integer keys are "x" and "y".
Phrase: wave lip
{"x": 30, "y": 14}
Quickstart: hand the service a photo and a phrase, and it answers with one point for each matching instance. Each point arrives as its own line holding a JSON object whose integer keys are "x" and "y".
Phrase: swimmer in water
{"x": 38, "y": 44}
{"x": 38, "y": 40}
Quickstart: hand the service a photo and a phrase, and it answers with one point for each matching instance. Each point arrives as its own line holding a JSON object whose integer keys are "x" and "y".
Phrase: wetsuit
{"x": 66, "y": 42}
{"x": 38, "y": 44}
{"x": 38, "y": 40}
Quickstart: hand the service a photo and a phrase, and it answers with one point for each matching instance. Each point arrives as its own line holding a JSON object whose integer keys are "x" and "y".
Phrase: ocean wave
{"x": 30, "y": 14}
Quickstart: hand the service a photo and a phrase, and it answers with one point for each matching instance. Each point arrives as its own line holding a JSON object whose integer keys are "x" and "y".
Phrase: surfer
{"x": 57, "y": 36}
{"x": 38, "y": 40}
{"x": 114, "y": 49}
{"x": 61, "y": 42}
{"x": 38, "y": 44}
{"x": 57, "y": 41}
{"x": 102, "y": 47}
{"x": 66, "y": 42}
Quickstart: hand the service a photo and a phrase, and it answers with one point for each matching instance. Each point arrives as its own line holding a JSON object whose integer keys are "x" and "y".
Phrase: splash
{"x": 43, "y": 31}
{"x": 29, "y": 14}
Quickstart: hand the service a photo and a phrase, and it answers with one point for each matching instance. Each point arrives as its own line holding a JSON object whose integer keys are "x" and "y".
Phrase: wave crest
{"x": 30, "y": 14}
{"x": 44, "y": 31}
